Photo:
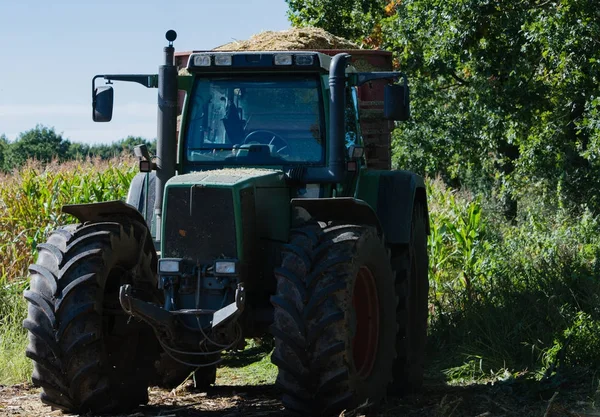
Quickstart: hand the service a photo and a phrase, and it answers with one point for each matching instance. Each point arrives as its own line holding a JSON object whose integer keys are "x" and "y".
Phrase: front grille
{"x": 199, "y": 224}
{"x": 248, "y": 224}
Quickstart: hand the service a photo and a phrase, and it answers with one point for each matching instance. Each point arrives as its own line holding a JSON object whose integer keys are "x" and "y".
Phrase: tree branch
{"x": 457, "y": 78}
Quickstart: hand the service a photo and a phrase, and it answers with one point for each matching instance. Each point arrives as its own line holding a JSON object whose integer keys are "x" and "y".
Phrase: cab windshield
{"x": 271, "y": 120}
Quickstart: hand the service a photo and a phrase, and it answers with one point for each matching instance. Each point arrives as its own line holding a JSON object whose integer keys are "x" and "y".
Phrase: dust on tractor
{"x": 260, "y": 213}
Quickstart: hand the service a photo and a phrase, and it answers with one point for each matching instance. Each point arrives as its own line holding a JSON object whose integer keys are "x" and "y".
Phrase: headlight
{"x": 223, "y": 59}
{"x": 283, "y": 59}
{"x": 169, "y": 266}
{"x": 305, "y": 59}
{"x": 225, "y": 268}
{"x": 200, "y": 60}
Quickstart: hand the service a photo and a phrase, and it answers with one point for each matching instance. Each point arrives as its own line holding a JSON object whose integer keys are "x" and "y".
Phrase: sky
{"x": 51, "y": 49}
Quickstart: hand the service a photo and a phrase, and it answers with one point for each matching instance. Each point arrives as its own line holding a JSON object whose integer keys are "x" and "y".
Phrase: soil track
{"x": 436, "y": 400}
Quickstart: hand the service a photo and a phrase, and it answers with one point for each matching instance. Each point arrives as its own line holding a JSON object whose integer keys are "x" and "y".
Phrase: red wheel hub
{"x": 366, "y": 307}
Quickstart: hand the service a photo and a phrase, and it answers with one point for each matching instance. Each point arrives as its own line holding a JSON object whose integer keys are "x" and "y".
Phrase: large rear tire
{"x": 88, "y": 355}
{"x": 334, "y": 322}
{"x": 412, "y": 287}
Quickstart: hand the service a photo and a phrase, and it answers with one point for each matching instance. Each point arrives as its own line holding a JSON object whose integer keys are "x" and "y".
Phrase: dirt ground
{"x": 436, "y": 400}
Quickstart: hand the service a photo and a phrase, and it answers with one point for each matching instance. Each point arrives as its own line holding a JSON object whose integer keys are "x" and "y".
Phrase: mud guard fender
{"x": 141, "y": 194}
{"x": 104, "y": 211}
{"x": 396, "y": 196}
{"x": 116, "y": 211}
{"x": 344, "y": 209}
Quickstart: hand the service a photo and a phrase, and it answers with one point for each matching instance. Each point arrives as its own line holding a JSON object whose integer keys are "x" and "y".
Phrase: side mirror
{"x": 397, "y": 102}
{"x": 102, "y": 104}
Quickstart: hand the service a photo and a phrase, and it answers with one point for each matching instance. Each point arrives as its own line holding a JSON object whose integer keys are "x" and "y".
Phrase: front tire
{"x": 334, "y": 323}
{"x": 89, "y": 355}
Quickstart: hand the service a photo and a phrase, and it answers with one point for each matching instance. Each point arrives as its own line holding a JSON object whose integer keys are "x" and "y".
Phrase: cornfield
{"x": 31, "y": 201}
{"x": 506, "y": 295}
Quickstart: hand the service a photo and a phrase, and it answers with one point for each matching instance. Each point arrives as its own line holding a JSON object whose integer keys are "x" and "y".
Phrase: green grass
{"x": 250, "y": 367}
{"x": 14, "y": 366}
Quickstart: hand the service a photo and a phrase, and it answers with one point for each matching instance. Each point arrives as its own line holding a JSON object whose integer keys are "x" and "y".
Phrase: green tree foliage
{"x": 505, "y": 93}
{"x": 351, "y": 19}
{"x": 3, "y": 151}
{"x": 44, "y": 144}
{"x": 120, "y": 147}
{"x": 40, "y": 143}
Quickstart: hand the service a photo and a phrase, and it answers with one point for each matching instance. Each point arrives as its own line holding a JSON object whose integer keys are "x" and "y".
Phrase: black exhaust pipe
{"x": 337, "y": 94}
{"x": 166, "y": 141}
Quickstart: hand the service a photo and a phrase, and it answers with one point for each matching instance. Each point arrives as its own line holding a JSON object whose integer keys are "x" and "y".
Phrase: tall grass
{"x": 30, "y": 203}
{"x": 14, "y": 366}
{"x": 516, "y": 295}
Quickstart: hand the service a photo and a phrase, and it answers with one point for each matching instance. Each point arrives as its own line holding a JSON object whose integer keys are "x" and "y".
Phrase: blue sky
{"x": 52, "y": 49}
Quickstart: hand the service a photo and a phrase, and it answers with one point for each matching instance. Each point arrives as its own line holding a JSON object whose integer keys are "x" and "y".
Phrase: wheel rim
{"x": 366, "y": 307}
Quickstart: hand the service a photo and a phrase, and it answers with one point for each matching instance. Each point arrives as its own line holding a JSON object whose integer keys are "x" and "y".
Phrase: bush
{"x": 510, "y": 292}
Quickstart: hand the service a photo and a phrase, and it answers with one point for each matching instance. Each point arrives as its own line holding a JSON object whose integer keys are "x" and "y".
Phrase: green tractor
{"x": 262, "y": 216}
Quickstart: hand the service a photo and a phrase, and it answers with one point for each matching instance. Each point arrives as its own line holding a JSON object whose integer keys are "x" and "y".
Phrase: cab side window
{"x": 351, "y": 118}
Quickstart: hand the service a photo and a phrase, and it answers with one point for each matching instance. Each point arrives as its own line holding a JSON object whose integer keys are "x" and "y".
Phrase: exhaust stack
{"x": 166, "y": 141}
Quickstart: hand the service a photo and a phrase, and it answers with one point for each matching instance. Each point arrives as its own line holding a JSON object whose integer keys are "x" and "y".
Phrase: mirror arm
{"x": 147, "y": 80}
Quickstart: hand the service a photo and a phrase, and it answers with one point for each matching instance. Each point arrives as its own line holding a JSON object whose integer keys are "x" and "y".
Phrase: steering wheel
{"x": 266, "y": 137}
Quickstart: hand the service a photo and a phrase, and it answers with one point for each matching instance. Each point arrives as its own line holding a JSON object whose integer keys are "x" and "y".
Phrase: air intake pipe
{"x": 335, "y": 169}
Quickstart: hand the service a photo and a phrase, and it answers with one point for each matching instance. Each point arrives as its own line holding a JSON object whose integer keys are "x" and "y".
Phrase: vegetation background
{"x": 505, "y": 126}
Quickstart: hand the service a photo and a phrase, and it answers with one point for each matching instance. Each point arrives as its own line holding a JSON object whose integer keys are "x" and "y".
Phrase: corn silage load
{"x": 289, "y": 40}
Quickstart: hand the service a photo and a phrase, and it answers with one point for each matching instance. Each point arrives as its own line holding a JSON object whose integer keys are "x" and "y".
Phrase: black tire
{"x": 412, "y": 287}
{"x": 317, "y": 318}
{"x": 88, "y": 355}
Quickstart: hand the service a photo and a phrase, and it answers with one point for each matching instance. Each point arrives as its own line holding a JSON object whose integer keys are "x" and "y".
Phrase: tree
{"x": 120, "y": 147}
{"x": 78, "y": 150}
{"x": 3, "y": 152}
{"x": 351, "y": 19}
{"x": 127, "y": 144}
{"x": 505, "y": 94}
{"x": 40, "y": 143}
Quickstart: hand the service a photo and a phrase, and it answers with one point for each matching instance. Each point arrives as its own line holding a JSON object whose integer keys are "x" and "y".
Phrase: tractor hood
{"x": 230, "y": 177}
{"x": 223, "y": 213}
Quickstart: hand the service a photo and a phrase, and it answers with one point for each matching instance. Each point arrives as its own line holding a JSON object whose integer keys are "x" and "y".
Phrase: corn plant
{"x": 31, "y": 201}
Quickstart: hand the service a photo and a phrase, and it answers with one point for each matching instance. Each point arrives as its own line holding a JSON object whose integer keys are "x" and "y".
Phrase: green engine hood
{"x": 231, "y": 177}
{"x": 208, "y": 213}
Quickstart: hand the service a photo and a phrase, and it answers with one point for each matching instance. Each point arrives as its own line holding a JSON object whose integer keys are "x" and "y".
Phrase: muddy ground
{"x": 436, "y": 400}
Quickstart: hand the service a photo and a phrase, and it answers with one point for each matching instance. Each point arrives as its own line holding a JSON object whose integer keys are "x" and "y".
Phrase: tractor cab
{"x": 258, "y": 109}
